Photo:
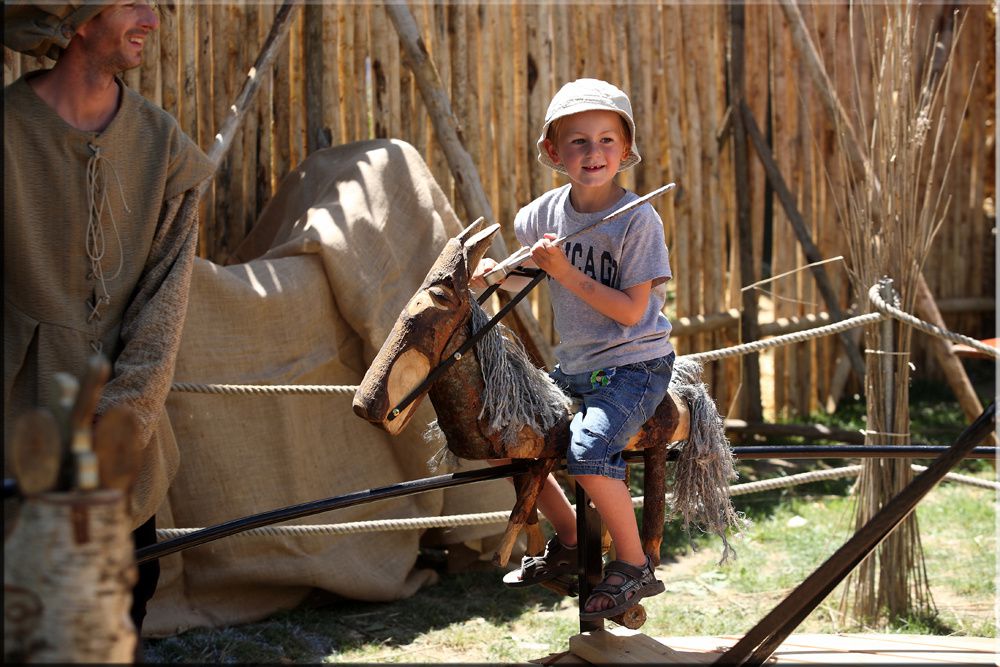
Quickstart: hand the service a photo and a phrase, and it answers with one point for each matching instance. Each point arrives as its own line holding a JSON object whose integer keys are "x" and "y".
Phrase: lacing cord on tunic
{"x": 97, "y": 202}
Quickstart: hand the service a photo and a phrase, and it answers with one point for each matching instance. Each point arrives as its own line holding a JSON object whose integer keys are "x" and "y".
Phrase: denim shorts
{"x": 616, "y": 403}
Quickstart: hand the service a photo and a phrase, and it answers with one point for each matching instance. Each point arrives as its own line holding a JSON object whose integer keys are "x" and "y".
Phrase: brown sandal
{"x": 636, "y": 584}
{"x": 555, "y": 561}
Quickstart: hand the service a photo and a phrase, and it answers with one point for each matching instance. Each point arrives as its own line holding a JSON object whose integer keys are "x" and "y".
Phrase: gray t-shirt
{"x": 620, "y": 253}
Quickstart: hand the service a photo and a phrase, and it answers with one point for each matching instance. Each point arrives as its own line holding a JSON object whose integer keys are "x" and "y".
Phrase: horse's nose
{"x": 361, "y": 408}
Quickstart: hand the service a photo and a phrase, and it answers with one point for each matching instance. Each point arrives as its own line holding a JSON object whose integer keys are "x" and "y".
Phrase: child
{"x": 607, "y": 288}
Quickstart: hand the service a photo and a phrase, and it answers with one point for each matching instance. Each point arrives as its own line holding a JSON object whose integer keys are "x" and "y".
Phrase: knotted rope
{"x": 97, "y": 201}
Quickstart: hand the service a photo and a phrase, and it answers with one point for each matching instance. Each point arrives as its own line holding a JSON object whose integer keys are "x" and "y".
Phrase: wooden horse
{"x": 431, "y": 327}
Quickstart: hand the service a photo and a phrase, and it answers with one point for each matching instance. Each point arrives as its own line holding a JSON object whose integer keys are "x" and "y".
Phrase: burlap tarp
{"x": 351, "y": 234}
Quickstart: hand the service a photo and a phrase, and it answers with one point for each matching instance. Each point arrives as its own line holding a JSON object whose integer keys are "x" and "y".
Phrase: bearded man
{"x": 100, "y": 231}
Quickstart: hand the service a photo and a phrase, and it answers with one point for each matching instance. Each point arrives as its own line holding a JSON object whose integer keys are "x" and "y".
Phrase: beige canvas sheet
{"x": 351, "y": 234}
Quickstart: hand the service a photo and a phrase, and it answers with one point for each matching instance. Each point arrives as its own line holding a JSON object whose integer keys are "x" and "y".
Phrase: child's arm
{"x": 623, "y": 306}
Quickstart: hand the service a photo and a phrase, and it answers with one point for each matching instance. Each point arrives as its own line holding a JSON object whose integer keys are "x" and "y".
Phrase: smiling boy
{"x": 608, "y": 289}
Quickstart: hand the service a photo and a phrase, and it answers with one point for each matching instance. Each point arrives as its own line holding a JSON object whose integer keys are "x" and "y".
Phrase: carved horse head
{"x": 430, "y": 327}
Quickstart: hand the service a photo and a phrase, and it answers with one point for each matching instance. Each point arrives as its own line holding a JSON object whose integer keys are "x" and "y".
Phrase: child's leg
{"x": 614, "y": 503}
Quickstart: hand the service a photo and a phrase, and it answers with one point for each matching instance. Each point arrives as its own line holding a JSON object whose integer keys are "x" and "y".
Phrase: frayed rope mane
{"x": 517, "y": 394}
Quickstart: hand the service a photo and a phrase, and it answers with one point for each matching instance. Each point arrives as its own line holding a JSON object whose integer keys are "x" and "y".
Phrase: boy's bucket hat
{"x": 588, "y": 95}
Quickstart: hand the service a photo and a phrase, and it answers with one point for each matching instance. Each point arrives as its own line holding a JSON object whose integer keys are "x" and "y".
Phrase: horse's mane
{"x": 517, "y": 392}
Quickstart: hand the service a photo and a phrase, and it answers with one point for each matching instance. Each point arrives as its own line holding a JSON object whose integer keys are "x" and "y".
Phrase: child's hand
{"x": 550, "y": 257}
{"x": 486, "y": 264}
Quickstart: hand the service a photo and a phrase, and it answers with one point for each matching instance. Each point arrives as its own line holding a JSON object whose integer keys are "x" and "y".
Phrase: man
{"x": 100, "y": 230}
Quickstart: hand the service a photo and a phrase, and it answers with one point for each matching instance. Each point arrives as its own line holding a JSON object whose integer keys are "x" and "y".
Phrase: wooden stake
{"x": 36, "y": 453}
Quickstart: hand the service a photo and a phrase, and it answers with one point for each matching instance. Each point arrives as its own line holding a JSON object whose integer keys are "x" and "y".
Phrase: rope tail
{"x": 706, "y": 465}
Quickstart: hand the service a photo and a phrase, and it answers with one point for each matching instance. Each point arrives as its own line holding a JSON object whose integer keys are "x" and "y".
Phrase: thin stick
{"x": 224, "y": 138}
{"x": 788, "y": 273}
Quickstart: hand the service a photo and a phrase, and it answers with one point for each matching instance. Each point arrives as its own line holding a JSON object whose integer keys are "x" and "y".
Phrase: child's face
{"x": 590, "y": 145}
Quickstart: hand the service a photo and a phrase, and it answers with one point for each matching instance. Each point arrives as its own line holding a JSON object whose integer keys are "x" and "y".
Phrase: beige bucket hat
{"x": 45, "y": 28}
{"x": 588, "y": 95}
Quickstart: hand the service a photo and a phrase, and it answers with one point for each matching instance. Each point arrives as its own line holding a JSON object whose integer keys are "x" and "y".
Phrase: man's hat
{"x": 45, "y": 28}
{"x": 588, "y": 95}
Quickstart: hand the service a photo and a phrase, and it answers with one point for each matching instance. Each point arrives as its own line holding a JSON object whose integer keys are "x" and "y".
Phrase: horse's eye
{"x": 440, "y": 295}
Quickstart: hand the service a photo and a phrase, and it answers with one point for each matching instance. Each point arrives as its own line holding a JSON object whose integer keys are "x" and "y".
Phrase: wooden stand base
{"x": 621, "y": 646}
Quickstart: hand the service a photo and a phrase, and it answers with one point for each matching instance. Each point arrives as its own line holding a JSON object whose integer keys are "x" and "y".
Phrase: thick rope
{"x": 501, "y": 516}
{"x": 712, "y": 355}
{"x": 927, "y": 327}
{"x": 267, "y": 389}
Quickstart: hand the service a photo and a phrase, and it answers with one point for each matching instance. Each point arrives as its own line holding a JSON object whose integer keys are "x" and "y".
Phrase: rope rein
{"x": 884, "y": 311}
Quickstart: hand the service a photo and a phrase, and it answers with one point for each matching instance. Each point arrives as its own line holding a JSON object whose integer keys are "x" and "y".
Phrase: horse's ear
{"x": 478, "y": 243}
{"x": 471, "y": 230}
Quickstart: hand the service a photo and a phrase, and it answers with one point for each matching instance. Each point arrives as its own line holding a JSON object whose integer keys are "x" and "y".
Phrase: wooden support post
{"x": 588, "y": 535}
{"x": 749, "y": 328}
{"x": 654, "y": 510}
{"x": 954, "y": 372}
{"x": 317, "y": 136}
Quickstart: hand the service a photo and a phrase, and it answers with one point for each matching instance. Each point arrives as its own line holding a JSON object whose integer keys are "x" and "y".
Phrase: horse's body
{"x": 432, "y": 326}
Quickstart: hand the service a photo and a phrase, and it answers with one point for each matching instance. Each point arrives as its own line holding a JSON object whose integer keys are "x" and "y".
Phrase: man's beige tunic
{"x": 78, "y": 205}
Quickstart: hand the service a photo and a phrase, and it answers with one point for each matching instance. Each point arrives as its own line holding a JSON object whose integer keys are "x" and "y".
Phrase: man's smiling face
{"x": 116, "y": 36}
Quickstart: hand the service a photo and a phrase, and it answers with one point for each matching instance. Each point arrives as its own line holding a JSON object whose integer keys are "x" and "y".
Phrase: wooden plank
{"x": 251, "y": 129}
{"x": 521, "y": 192}
{"x": 621, "y": 646}
{"x": 264, "y": 178}
{"x": 750, "y": 398}
{"x": 206, "y": 122}
{"x": 345, "y": 55}
{"x": 846, "y": 648}
{"x": 328, "y": 75}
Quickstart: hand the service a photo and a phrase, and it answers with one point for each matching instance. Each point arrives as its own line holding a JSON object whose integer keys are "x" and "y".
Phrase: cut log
{"x": 632, "y": 618}
{"x": 69, "y": 569}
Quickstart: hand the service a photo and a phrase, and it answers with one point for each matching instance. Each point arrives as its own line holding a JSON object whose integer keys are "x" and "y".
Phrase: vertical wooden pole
{"x": 749, "y": 328}
{"x": 169, "y": 60}
{"x": 315, "y": 100}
